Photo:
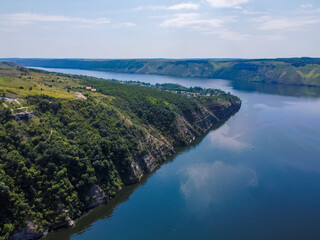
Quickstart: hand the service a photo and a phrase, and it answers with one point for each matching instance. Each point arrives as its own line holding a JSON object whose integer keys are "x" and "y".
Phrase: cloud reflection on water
{"x": 213, "y": 183}
{"x": 224, "y": 138}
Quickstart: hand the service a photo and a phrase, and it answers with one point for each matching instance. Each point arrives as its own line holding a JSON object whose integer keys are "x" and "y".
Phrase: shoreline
{"x": 30, "y": 233}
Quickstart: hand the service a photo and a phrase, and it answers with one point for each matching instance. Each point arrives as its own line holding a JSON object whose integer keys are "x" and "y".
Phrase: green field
{"x": 26, "y": 83}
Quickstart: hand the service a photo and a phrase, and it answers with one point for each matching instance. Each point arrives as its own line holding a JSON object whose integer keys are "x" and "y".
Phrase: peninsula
{"x": 69, "y": 143}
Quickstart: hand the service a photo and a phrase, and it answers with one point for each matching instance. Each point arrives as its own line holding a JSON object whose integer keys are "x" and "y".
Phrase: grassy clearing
{"x": 312, "y": 74}
{"x": 23, "y": 84}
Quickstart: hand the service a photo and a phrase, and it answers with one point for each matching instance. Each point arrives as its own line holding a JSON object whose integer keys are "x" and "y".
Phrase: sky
{"x": 159, "y": 29}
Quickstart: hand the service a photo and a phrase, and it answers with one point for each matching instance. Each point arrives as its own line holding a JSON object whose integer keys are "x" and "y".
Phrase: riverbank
{"x": 240, "y": 179}
{"x": 74, "y": 154}
{"x": 144, "y": 165}
{"x": 284, "y": 71}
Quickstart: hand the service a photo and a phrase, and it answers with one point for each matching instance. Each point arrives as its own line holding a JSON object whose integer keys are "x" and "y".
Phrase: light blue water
{"x": 255, "y": 177}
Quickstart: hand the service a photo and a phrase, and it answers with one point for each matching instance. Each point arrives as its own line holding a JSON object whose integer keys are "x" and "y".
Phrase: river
{"x": 255, "y": 177}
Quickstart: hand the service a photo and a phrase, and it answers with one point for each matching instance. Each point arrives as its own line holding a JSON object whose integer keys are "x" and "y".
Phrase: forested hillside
{"x": 65, "y": 149}
{"x": 288, "y": 71}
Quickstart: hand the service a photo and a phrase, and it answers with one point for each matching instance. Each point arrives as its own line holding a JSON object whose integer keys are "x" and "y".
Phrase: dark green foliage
{"x": 289, "y": 71}
{"x": 146, "y": 105}
{"x": 5, "y": 115}
{"x": 47, "y": 165}
{"x": 48, "y": 162}
{"x": 171, "y": 87}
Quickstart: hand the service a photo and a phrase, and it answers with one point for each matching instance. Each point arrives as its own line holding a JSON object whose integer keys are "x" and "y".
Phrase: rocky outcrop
{"x": 28, "y": 233}
{"x": 63, "y": 224}
{"x": 223, "y": 110}
{"x": 190, "y": 126}
{"x": 157, "y": 149}
{"x": 194, "y": 124}
{"x": 96, "y": 196}
{"x": 31, "y": 232}
{"x": 22, "y": 116}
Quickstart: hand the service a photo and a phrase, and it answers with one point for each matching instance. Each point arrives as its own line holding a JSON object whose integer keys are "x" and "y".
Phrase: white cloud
{"x": 212, "y": 26}
{"x": 125, "y": 24}
{"x": 193, "y": 20}
{"x": 260, "y": 19}
{"x": 249, "y": 12}
{"x": 17, "y": 19}
{"x": 306, "y": 11}
{"x": 139, "y": 8}
{"x": 274, "y": 37}
{"x": 316, "y": 10}
{"x": 229, "y": 35}
{"x": 182, "y": 6}
{"x": 227, "y": 3}
{"x": 307, "y": 5}
{"x": 268, "y": 22}
{"x": 8, "y": 29}
{"x": 150, "y": 7}
{"x": 287, "y": 23}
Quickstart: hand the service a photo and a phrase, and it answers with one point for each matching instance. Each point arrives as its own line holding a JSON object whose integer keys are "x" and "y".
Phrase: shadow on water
{"x": 105, "y": 211}
{"x": 276, "y": 89}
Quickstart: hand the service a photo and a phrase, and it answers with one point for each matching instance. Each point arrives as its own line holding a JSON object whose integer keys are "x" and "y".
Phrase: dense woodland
{"x": 288, "y": 71}
{"x": 49, "y": 158}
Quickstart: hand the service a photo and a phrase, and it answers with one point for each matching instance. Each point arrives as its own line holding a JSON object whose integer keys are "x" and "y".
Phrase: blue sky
{"x": 159, "y": 29}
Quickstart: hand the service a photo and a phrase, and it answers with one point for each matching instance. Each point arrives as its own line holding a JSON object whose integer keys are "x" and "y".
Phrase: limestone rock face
{"x": 190, "y": 126}
{"x": 159, "y": 151}
{"x": 28, "y": 233}
{"x": 68, "y": 223}
{"x": 155, "y": 149}
{"x": 97, "y": 196}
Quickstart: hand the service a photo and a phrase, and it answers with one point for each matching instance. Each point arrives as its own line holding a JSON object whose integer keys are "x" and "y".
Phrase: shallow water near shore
{"x": 255, "y": 177}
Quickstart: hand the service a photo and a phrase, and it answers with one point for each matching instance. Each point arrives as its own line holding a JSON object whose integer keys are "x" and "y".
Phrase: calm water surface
{"x": 255, "y": 177}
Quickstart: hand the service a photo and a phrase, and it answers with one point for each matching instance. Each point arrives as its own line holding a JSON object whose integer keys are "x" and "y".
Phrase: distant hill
{"x": 289, "y": 71}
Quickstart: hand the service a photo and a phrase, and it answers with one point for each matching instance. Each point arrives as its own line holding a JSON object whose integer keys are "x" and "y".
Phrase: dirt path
{"x": 80, "y": 95}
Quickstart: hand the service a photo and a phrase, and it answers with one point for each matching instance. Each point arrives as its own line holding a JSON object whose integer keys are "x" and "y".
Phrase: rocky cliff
{"x": 191, "y": 126}
{"x": 75, "y": 154}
